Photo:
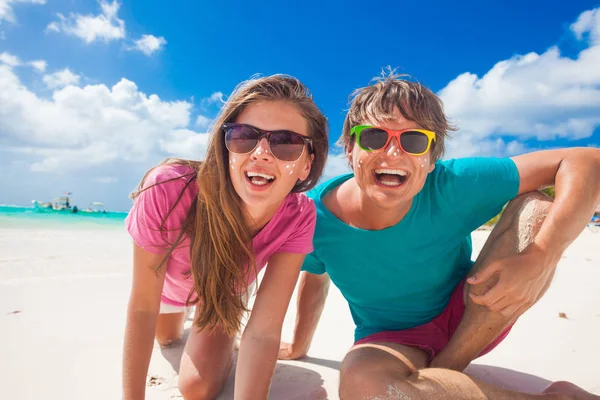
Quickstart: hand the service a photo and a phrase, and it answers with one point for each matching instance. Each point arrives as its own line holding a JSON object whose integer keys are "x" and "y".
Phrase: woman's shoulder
{"x": 174, "y": 174}
{"x": 298, "y": 202}
{"x": 297, "y": 209}
{"x": 167, "y": 186}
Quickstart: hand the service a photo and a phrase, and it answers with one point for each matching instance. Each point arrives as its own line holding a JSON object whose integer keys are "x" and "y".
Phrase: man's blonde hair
{"x": 415, "y": 102}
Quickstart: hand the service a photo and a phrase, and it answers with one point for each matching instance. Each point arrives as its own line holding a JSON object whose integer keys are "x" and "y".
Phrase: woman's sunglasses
{"x": 412, "y": 141}
{"x": 285, "y": 145}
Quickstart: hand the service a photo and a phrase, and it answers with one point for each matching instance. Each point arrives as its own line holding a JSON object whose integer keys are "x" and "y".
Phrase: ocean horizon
{"x": 19, "y": 216}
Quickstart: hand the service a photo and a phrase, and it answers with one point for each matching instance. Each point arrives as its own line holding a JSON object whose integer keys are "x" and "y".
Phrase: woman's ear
{"x": 306, "y": 170}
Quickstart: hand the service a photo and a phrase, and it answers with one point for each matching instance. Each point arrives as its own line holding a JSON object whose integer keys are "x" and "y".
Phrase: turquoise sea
{"x": 29, "y": 217}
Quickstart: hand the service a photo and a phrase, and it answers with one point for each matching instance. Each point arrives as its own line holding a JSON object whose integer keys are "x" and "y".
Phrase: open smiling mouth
{"x": 259, "y": 179}
{"x": 390, "y": 177}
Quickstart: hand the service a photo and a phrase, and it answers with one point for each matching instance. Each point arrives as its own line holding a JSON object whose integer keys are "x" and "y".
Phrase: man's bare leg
{"x": 516, "y": 229}
{"x": 387, "y": 371}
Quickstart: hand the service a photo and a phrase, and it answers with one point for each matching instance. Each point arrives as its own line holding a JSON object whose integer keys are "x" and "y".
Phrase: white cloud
{"x": 39, "y": 65}
{"x": 149, "y": 44}
{"x": 215, "y": 98}
{"x": 203, "y": 122}
{"x": 588, "y": 23}
{"x": 541, "y": 96}
{"x": 6, "y": 8}
{"x": 9, "y": 59}
{"x": 93, "y": 128}
{"x": 61, "y": 79}
{"x": 184, "y": 143}
{"x": 105, "y": 26}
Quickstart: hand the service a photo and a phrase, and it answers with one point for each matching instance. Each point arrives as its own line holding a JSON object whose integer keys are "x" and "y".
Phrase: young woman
{"x": 203, "y": 230}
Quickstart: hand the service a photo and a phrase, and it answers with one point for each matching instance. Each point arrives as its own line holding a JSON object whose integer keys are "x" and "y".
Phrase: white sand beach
{"x": 63, "y": 296}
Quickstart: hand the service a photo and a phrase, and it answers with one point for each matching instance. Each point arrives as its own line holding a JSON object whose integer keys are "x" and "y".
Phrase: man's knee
{"x": 365, "y": 375}
{"x": 167, "y": 340}
{"x": 525, "y": 215}
{"x": 370, "y": 382}
{"x": 529, "y": 207}
{"x": 198, "y": 388}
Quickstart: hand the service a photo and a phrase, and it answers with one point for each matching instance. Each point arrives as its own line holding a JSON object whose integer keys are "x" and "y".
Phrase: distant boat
{"x": 95, "y": 207}
{"x": 60, "y": 204}
{"x": 63, "y": 204}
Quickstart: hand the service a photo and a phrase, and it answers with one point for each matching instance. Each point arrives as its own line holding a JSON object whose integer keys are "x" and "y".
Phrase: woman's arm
{"x": 260, "y": 341}
{"x": 142, "y": 313}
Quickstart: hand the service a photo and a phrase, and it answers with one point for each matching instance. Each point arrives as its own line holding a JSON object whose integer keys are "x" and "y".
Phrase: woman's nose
{"x": 262, "y": 150}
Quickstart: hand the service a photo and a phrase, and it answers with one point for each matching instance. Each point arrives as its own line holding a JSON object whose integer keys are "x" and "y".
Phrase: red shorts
{"x": 435, "y": 335}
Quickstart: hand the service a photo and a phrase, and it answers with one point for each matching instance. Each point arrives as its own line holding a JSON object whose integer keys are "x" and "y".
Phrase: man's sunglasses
{"x": 285, "y": 145}
{"x": 412, "y": 141}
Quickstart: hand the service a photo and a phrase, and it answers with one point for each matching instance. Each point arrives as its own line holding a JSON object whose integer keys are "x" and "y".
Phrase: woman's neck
{"x": 258, "y": 217}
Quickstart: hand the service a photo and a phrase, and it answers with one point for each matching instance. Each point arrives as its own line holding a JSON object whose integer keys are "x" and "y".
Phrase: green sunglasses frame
{"x": 357, "y": 130}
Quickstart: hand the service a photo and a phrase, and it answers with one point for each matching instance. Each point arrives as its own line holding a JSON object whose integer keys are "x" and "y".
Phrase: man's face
{"x": 390, "y": 177}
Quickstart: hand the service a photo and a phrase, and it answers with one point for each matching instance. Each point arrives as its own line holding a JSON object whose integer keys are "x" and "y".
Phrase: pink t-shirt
{"x": 289, "y": 231}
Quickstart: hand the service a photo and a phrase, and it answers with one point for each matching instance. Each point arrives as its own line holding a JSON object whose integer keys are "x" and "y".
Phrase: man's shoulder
{"x": 470, "y": 169}
{"x": 323, "y": 188}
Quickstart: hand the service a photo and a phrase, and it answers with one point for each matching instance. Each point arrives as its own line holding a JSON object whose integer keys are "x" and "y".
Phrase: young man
{"x": 394, "y": 237}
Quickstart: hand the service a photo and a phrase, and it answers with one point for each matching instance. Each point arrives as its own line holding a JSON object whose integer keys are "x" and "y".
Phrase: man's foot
{"x": 570, "y": 390}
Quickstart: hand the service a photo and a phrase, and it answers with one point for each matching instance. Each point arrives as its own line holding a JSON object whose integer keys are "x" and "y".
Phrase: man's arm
{"x": 576, "y": 174}
{"x": 312, "y": 293}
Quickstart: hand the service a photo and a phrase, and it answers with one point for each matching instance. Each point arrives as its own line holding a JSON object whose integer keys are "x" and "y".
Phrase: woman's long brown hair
{"x": 222, "y": 258}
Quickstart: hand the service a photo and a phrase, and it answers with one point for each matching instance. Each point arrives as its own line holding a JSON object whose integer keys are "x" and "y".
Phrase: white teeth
{"x": 391, "y": 171}
{"x": 253, "y": 174}
{"x": 390, "y": 183}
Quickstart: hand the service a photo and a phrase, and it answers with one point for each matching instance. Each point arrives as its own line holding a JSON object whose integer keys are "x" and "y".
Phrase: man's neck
{"x": 352, "y": 206}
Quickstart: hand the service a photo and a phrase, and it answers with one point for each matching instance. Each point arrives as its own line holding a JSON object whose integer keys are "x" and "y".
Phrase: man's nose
{"x": 393, "y": 149}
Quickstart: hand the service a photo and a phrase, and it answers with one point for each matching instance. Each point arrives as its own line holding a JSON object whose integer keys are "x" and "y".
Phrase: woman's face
{"x": 260, "y": 178}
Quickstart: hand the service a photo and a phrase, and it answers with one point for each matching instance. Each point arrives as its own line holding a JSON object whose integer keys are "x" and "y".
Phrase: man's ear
{"x": 431, "y": 167}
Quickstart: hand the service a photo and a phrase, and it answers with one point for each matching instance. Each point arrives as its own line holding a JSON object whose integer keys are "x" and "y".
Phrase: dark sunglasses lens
{"x": 373, "y": 138}
{"x": 414, "y": 142}
{"x": 241, "y": 139}
{"x": 286, "y": 146}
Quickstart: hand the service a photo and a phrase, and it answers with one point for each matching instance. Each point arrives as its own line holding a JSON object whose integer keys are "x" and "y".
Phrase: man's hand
{"x": 287, "y": 352}
{"x": 520, "y": 280}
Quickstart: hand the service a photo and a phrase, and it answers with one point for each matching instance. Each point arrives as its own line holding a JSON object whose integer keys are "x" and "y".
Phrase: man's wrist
{"x": 299, "y": 348}
{"x": 551, "y": 253}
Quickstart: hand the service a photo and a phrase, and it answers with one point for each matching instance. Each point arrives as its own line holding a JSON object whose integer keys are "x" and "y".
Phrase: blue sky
{"x": 94, "y": 93}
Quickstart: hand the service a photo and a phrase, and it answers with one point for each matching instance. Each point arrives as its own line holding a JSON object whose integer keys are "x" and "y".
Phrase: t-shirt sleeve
{"x": 313, "y": 264}
{"x": 146, "y": 220}
{"x": 300, "y": 241}
{"x": 476, "y": 189}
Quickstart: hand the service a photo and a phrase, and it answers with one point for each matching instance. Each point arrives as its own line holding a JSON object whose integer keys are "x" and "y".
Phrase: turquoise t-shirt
{"x": 401, "y": 277}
